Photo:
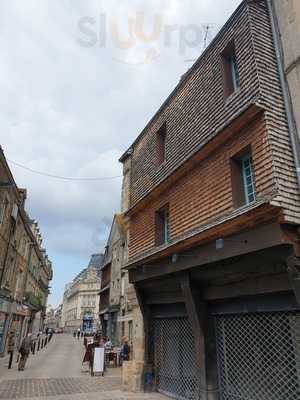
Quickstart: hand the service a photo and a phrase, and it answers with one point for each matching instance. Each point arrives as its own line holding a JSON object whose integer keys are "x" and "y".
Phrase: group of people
{"x": 104, "y": 341}
{"x": 78, "y": 333}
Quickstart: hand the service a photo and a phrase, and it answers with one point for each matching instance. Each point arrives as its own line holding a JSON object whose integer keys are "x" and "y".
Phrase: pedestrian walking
{"x": 78, "y": 333}
{"x": 24, "y": 351}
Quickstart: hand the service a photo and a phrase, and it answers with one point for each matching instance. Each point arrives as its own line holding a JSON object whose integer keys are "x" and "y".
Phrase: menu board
{"x": 98, "y": 364}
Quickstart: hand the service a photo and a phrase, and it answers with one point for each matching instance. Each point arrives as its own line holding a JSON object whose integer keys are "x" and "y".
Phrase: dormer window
{"x": 161, "y": 144}
{"x": 230, "y": 70}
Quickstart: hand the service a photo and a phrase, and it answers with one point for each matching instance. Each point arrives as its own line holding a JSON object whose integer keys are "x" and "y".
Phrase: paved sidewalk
{"x": 56, "y": 373}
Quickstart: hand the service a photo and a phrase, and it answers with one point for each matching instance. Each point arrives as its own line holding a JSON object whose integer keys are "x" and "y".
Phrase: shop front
{"x": 20, "y": 315}
{"x": 227, "y": 328}
{"x": 4, "y": 322}
{"x": 87, "y": 322}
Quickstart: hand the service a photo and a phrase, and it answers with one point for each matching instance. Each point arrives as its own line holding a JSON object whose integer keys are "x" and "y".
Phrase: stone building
{"x": 81, "y": 299}
{"x": 19, "y": 305}
{"x": 213, "y": 215}
{"x": 115, "y": 303}
{"x": 53, "y": 317}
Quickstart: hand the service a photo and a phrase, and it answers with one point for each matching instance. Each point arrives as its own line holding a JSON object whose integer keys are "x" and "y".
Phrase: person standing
{"x": 108, "y": 344}
{"x": 125, "y": 350}
{"x": 24, "y": 351}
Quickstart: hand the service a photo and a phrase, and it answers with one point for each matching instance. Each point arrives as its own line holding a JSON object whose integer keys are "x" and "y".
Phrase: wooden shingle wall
{"x": 194, "y": 112}
{"x": 205, "y": 192}
{"x": 197, "y": 109}
{"x": 271, "y": 98}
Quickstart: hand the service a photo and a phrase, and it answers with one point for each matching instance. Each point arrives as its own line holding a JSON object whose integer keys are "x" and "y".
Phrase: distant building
{"x": 80, "y": 307}
{"x": 53, "y": 317}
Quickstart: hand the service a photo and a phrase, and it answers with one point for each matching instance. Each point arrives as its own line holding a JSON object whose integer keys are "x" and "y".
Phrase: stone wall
{"x": 133, "y": 370}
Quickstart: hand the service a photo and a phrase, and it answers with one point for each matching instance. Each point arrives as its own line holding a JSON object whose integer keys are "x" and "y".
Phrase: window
{"x": 162, "y": 226}
{"x": 230, "y": 70}
{"x": 243, "y": 182}
{"x": 161, "y": 144}
{"x": 3, "y": 210}
{"x": 248, "y": 179}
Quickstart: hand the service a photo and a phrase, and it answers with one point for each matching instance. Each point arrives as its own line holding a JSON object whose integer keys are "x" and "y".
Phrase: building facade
{"x": 18, "y": 248}
{"x": 53, "y": 317}
{"x": 115, "y": 302}
{"x": 80, "y": 308}
{"x": 213, "y": 214}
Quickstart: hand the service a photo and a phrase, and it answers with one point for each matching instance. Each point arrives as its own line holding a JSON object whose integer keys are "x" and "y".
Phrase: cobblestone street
{"x": 56, "y": 372}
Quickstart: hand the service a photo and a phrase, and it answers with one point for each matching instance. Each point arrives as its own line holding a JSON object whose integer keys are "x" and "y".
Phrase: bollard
{"x": 11, "y": 354}
{"x": 33, "y": 348}
{"x": 39, "y": 344}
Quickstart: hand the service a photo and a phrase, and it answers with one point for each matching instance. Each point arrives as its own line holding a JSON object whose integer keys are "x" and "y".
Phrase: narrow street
{"x": 56, "y": 372}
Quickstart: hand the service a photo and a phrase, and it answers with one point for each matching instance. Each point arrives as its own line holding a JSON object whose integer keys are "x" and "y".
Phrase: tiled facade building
{"x": 213, "y": 213}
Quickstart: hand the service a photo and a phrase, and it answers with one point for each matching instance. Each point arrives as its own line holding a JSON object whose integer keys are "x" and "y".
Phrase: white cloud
{"x": 72, "y": 111}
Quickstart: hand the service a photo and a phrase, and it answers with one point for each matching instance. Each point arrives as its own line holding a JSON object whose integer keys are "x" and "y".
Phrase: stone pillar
{"x": 133, "y": 370}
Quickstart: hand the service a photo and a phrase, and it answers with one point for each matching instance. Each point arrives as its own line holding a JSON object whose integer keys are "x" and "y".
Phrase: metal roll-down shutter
{"x": 259, "y": 356}
{"x": 174, "y": 358}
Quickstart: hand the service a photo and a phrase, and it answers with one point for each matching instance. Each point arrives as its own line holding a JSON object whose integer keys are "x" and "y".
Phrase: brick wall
{"x": 205, "y": 193}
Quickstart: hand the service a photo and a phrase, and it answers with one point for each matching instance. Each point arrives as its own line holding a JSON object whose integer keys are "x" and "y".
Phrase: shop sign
{"x": 20, "y": 309}
{"x": 88, "y": 317}
{"x": 23, "y": 310}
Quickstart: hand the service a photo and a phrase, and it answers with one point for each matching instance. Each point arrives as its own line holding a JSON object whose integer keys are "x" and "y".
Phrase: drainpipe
{"x": 285, "y": 89}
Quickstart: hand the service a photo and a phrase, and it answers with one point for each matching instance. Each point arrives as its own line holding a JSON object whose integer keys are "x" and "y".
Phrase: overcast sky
{"x": 79, "y": 80}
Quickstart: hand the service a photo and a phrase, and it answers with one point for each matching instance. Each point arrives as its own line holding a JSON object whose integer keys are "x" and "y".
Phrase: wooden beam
{"x": 260, "y": 238}
{"x": 293, "y": 269}
{"x": 164, "y": 298}
{"x": 197, "y": 314}
{"x": 249, "y": 287}
{"x": 146, "y": 314}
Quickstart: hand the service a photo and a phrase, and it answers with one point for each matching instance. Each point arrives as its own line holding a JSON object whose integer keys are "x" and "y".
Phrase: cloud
{"x": 71, "y": 110}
